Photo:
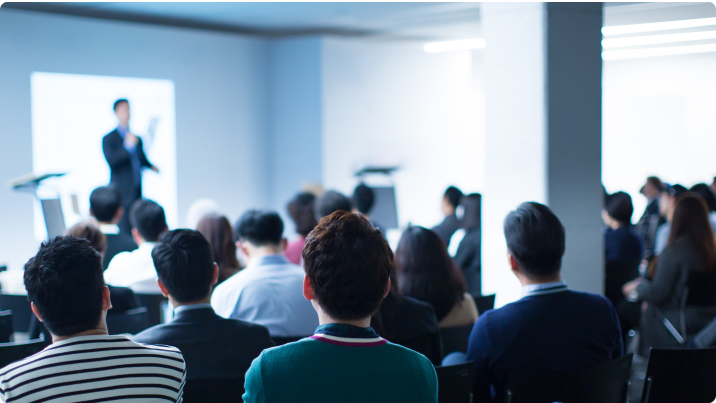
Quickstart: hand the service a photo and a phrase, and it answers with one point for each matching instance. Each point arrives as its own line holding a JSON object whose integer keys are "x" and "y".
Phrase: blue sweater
{"x": 558, "y": 331}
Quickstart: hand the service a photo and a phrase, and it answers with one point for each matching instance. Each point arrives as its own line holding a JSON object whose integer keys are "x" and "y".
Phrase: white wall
{"x": 221, "y": 106}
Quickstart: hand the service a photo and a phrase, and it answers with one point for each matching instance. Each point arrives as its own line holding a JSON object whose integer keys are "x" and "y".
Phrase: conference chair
{"x": 456, "y": 383}
{"x": 706, "y": 337}
{"x": 484, "y": 302}
{"x": 21, "y": 311}
{"x": 213, "y": 390}
{"x": 132, "y": 321}
{"x": 15, "y": 351}
{"x": 455, "y": 338}
{"x": 153, "y": 303}
{"x": 606, "y": 383}
{"x": 680, "y": 375}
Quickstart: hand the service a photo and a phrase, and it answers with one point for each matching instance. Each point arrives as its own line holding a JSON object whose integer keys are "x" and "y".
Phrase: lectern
{"x": 51, "y": 208}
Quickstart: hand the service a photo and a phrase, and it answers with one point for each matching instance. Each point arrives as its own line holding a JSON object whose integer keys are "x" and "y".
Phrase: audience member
{"x": 712, "y": 186}
{"x": 468, "y": 256}
{"x": 67, "y": 292}
{"x": 651, "y": 219}
{"x": 425, "y": 271}
{"x": 685, "y": 270}
{"x": 348, "y": 265}
{"x": 200, "y": 209}
{"x": 667, "y": 202}
{"x": 268, "y": 290}
{"x": 704, "y": 191}
{"x": 106, "y": 208}
{"x": 450, "y": 224}
{"x": 135, "y": 269}
{"x": 213, "y": 347}
{"x": 300, "y": 208}
{"x": 621, "y": 242}
{"x": 551, "y": 327}
{"x": 217, "y": 230}
{"x": 331, "y": 201}
{"x": 363, "y": 200}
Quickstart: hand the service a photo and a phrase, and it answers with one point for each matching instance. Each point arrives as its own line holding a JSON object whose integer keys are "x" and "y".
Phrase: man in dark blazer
{"x": 213, "y": 347}
{"x": 446, "y": 229}
{"x": 124, "y": 153}
{"x": 106, "y": 208}
{"x": 551, "y": 327}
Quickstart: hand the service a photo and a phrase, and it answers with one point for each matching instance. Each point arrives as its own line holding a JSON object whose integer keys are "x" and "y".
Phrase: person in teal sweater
{"x": 348, "y": 264}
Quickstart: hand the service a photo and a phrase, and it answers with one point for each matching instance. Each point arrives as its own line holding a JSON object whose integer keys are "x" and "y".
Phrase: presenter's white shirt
{"x": 268, "y": 292}
{"x": 129, "y": 268}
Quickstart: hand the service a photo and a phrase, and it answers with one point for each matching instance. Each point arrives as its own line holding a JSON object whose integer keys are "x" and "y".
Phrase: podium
{"x": 385, "y": 209}
{"x": 51, "y": 208}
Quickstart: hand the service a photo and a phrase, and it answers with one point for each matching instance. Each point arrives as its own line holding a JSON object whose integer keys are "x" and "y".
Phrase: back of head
{"x": 300, "y": 208}
{"x": 331, "y": 201}
{"x": 90, "y": 231}
{"x": 104, "y": 203}
{"x": 704, "y": 191}
{"x": 260, "y": 228}
{"x": 691, "y": 222}
{"x": 619, "y": 207}
{"x": 348, "y": 262}
{"x": 184, "y": 264}
{"x": 535, "y": 237}
{"x": 65, "y": 282}
{"x": 676, "y": 190}
{"x": 472, "y": 209}
{"x": 363, "y": 198}
{"x": 453, "y": 195}
{"x": 148, "y": 218}
{"x": 217, "y": 231}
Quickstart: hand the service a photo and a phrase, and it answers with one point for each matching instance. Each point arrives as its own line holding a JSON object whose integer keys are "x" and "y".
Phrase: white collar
{"x": 544, "y": 288}
{"x": 109, "y": 229}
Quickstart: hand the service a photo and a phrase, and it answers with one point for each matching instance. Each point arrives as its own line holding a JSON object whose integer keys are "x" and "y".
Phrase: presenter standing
{"x": 125, "y": 155}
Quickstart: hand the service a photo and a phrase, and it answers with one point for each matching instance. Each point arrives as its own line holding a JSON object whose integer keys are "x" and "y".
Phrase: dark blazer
{"x": 117, "y": 243}
{"x": 562, "y": 331}
{"x": 213, "y": 347}
{"x": 120, "y": 165}
{"x": 447, "y": 228}
{"x": 468, "y": 259}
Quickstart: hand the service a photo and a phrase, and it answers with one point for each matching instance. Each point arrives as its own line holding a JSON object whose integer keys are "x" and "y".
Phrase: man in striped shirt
{"x": 66, "y": 288}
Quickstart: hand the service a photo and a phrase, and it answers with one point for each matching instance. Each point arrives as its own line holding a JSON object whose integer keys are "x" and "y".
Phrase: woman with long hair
{"x": 217, "y": 230}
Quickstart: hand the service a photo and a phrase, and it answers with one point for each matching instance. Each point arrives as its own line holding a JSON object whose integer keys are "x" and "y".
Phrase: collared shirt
{"x": 133, "y": 154}
{"x": 542, "y": 289}
{"x": 109, "y": 229}
{"x": 268, "y": 292}
{"x": 129, "y": 268}
{"x": 181, "y": 308}
{"x": 340, "y": 334}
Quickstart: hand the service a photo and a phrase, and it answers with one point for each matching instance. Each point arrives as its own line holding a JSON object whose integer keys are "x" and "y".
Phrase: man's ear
{"x": 162, "y": 288}
{"x": 36, "y": 311}
{"x": 284, "y": 244}
{"x": 118, "y": 215}
{"x": 135, "y": 235}
{"x": 242, "y": 248}
{"x": 216, "y": 275}
{"x": 106, "y": 300}
{"x": 387, "y": 288}
{"x": 307, "y": 289}
{"x": 514, "y": 266}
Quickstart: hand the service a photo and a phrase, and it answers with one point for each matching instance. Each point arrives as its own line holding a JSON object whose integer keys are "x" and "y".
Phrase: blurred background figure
{"x": 704, "y": 191}
{"x": 106, "y": 208}
{"x": 667, "y": 202}
{"x": 450, "y": 224}
{"x": 468, "y": 256}
{"x": 198, "y": 210}
{"x": 651, "y": 219}
{"x": 363, "y": 200}
{"x": 217, "y": 230}
{"x": 330, "y": 202}
{"x": 300, "y": 209}
{"x": 621, "y": 242}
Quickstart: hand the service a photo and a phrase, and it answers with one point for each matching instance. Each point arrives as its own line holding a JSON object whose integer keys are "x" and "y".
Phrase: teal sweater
{"x": 341, "y": 363}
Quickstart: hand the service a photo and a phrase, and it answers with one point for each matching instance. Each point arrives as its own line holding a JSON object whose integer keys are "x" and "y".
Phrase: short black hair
{"x": 300, "y": 208}
{"x": 65, "y": 281}
{"x": 453, "y": 195}
{"x": 535, "y": 237}
{"x": 620, "y": 207}
{"x": 148, "y": 218}
{"x": 363, "y": 198}
{"x": 348, "y": 262}
{"x": 676, "y": 190}
{"x": 184, "y": 264}
{"x": 704, "y": 191}
{"x": 104, "y": 203}
{"x": 331, "y": 201}
{"x": 260, "y": 227}
{"x": 117, "y": 102}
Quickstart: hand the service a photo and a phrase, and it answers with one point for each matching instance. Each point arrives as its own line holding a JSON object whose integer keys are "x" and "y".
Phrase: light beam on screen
{"x": 658, "y": 26}
{"x": 71, "y": 113}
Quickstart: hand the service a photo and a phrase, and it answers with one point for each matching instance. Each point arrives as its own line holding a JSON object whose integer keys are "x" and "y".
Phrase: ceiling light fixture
{"x": 449, "y": 46}
{"x": 655, "y": 39}
{"x": 658, "y": 26}
{"x": 674, "y": 50}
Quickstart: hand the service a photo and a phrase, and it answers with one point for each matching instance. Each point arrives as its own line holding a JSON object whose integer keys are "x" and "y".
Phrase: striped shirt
{"x": 97, "y": 369}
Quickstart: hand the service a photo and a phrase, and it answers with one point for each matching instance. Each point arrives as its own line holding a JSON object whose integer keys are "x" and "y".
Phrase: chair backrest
{"x": 606, "y": 383}
{"x": 680, "y": 375}
{"x": 484, "y": 302}
{"x": 213, "y": 390}
{"x": 153, "y": 303}
{"x": 701, "y": 285}
{"x": 455, "y": 338}
{"x": 427, "y": 344}
{"x": 21, "y": 311}
{"x": 280, "y": 341}
{"x": 706, "y": 337}
{"x": 16, "y": 351}
{"x": 6, "y": 328}
{"x": 132, "y": 321}
{"x": 456, "y": 383}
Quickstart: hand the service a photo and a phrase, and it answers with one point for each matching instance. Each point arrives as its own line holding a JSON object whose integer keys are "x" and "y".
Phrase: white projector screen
{"x": 71, "y": 113}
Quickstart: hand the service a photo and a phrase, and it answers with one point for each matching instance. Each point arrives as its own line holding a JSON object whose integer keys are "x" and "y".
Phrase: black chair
{"x": 153, "y": 303}
{"x": 6, "y": 328}
{"x": 427, "y": 344}
{"x": 680, "y": 375}
{"x": 606, "y": 383}
{"x": 456, "y": 383}
{"x": 484, "y": 302}
{"x": 16, "y": 351}
{"x": 706, "y": 337}
{"x": 213, "y": 390}
{"x": 455, "y": 338}
{"x": 132, "y": 321}
{"x": 280, "y": 341}
{"x": 21, "y": 311}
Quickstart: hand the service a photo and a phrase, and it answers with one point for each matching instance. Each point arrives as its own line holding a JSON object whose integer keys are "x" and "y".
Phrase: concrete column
{"x": 543, "y": 97}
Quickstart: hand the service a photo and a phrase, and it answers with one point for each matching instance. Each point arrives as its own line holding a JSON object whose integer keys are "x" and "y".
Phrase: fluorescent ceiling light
{"x": 654, "y": 39}
{"x": 449, "y": 46}
{"x": 658, "y": 26}
{"x": 674, "y": 50}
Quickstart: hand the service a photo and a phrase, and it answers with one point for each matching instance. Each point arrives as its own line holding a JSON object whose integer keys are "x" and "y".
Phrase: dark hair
{"x": 90, "y": 231}
{"x": 363, "y": 198}
{"x": 184, "y": 264}
{"x": 535, "y": 237}
{"x": 655, "y": 182}
{"x": 704, "y": 191}
{"x": 454, "y": 195}
{"x": 425, "y": 270}
{"x": 217, "y": 231}
{"x": 117, "y": 102}
{"x": 676, "y": 190}
{"x": 331, "y": 201}
{"x": 472, "y": 207}
{"x": 691, "y": 221}
{"x": 104, "y": 203}
{"x": 64, "y": 280}
{"x": 148, "y": 218}
{"x": 260, "y": 227}
{"x": 348, "y": 262}
{"x": 300, "y": 208}
{"x": 619, "y": 207}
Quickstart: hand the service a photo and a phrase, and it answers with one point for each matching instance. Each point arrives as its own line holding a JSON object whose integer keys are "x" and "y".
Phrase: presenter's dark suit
{"x": 117, "y": 243}
{"x": 558, "y": 331}
{"x": 122, "y": 173}
{"x": 213, "y": 347}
